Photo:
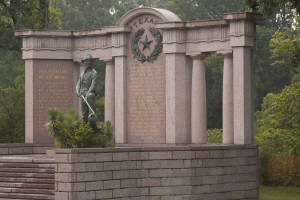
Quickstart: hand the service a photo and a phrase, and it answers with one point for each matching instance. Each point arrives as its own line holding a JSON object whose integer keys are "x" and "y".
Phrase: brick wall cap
{"x": 151, "y": 149}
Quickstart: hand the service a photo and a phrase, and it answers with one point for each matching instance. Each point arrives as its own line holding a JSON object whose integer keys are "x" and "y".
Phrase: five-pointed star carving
{"x": 146, "y": 43}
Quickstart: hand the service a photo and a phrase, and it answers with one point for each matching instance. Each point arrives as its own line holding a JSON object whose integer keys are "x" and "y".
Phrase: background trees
{"x": 15, "y": 15}
{"x": 277, "y": 121}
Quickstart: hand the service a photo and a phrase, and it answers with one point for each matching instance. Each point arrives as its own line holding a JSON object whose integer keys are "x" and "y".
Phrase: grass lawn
{"x": 279, "y": 193}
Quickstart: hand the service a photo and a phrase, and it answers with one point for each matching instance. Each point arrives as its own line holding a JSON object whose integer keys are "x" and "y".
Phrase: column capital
{"x": 195, "y": 55}
{"x": 174, "y": 41}
{"x": 107, "y": 60}
{"x": 225, "y": 52}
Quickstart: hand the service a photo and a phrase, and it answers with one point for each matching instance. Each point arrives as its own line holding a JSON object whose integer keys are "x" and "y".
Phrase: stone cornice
{"x": 191, "y": 24}
{"x": 43, "y": 33}
{"x": 104, "y": 31}
{"x": 227, "y": 18}
{"x": 256, "y": 18}
{"x": 80, "y": 33}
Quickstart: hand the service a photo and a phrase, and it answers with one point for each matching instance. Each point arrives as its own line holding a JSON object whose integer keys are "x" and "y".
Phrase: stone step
{"x": 27, "y": 175}
{"x": 27, "y": 180}
{"x": 28, "y": 170}
{"x": 27, "y": 185}
{"x": 26, "y": 159}
{"x": 26, "y": 196}
{"x": 27, "y": 165}
{"x": 13, "y": 199}
{"x": 26, "y": 191}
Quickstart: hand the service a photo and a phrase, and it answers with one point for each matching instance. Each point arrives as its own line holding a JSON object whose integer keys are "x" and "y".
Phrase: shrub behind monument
{"x": 69, "y": 131}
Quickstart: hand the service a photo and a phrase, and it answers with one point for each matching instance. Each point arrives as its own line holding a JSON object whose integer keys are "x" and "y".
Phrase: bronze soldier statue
{"x": 86, "y": 90}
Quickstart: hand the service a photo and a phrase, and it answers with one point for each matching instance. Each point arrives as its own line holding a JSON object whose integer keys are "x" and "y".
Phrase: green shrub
{"x": 69, "y": 131}
{"x": 214, "y": 136}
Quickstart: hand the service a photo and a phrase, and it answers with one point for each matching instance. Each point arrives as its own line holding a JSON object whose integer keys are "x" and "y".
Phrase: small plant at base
{"x": 69, "y": 131}
{"x": 214, "y": 136}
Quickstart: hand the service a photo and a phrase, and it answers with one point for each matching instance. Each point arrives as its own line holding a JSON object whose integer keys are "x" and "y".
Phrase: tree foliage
{"x": 214, "y": 77}
{"x": 25, "y": 14}
{"x": 275, "y": 55}
{"x": 285, "y": 48}
{"x": 276, "y": 59}
{"x": 18, "y": 14}
{"x": 278, "y": 13}
{"x": 12, "y": 112}
{"x": 278, "y": 123}
{"x": 270, "y": 7}
{"x": 204, "y": 9}
{"x": 82, "y": 14}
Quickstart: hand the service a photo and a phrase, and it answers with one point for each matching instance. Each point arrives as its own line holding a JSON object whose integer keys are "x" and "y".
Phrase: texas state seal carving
{"x": 138, "y": 53}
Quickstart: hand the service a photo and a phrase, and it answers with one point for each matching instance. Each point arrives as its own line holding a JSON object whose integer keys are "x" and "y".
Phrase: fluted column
{"x": 109, "y": 109}
{"x": 227, "y": 98}
{"x": 198, "y": 110}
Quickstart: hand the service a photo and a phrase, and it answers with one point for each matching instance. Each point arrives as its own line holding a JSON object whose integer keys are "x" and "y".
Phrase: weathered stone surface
{"x": 209, "y": 172}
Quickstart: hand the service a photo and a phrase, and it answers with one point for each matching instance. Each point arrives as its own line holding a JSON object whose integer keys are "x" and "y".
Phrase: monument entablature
{"x": 101, "y": 43}
{"x": 237, "y": 29}
{"x": 155, "y": 89}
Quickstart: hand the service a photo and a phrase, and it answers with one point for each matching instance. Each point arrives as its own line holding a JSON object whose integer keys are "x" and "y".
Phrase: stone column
{"x": 120, "y": 99}
{"x": 178, "y": 97}
{"x": 109, "y": 109}
{"x": 29, "y": 101}
{"x": 242, "y": 96}
{"x": 227, "y": 98}
{"x": 177, "y": 127}
{"x": 198, "y": 105}
{"x": 242, "y": 29}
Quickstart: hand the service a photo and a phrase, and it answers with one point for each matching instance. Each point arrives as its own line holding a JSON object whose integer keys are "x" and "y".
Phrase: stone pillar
{"x": 242, "y": 96}
{"x": 29, "y": 94}
{"x": 177, "y": 127}
{"x": 242, "y": 29}
{"x": 198, "y": 105}
{"x": 227, "y": 98}
{"x": 120, "y": 99}
{"x": 178, "y": 87}
{"x": 49, "y": 79}
{"x": 110, "y": 92}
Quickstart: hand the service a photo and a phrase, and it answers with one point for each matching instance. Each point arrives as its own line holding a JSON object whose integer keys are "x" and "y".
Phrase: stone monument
{"x": 155, "y": 89}
{"x": 155, "y": 97}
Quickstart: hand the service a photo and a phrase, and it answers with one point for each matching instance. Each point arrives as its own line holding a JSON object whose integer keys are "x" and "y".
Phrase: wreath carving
{"x": 135, "y": 45}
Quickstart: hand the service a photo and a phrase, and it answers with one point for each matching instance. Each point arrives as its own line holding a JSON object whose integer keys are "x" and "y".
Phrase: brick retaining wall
{"x": 158, "y": 173}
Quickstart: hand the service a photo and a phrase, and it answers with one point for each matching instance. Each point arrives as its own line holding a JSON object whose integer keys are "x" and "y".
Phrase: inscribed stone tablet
{"x": 53, "y": 88}
{"x": 145, "y": 82}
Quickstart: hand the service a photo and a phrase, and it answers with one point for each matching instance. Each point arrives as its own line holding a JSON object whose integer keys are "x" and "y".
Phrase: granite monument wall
{"x": 213, "y": 172}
